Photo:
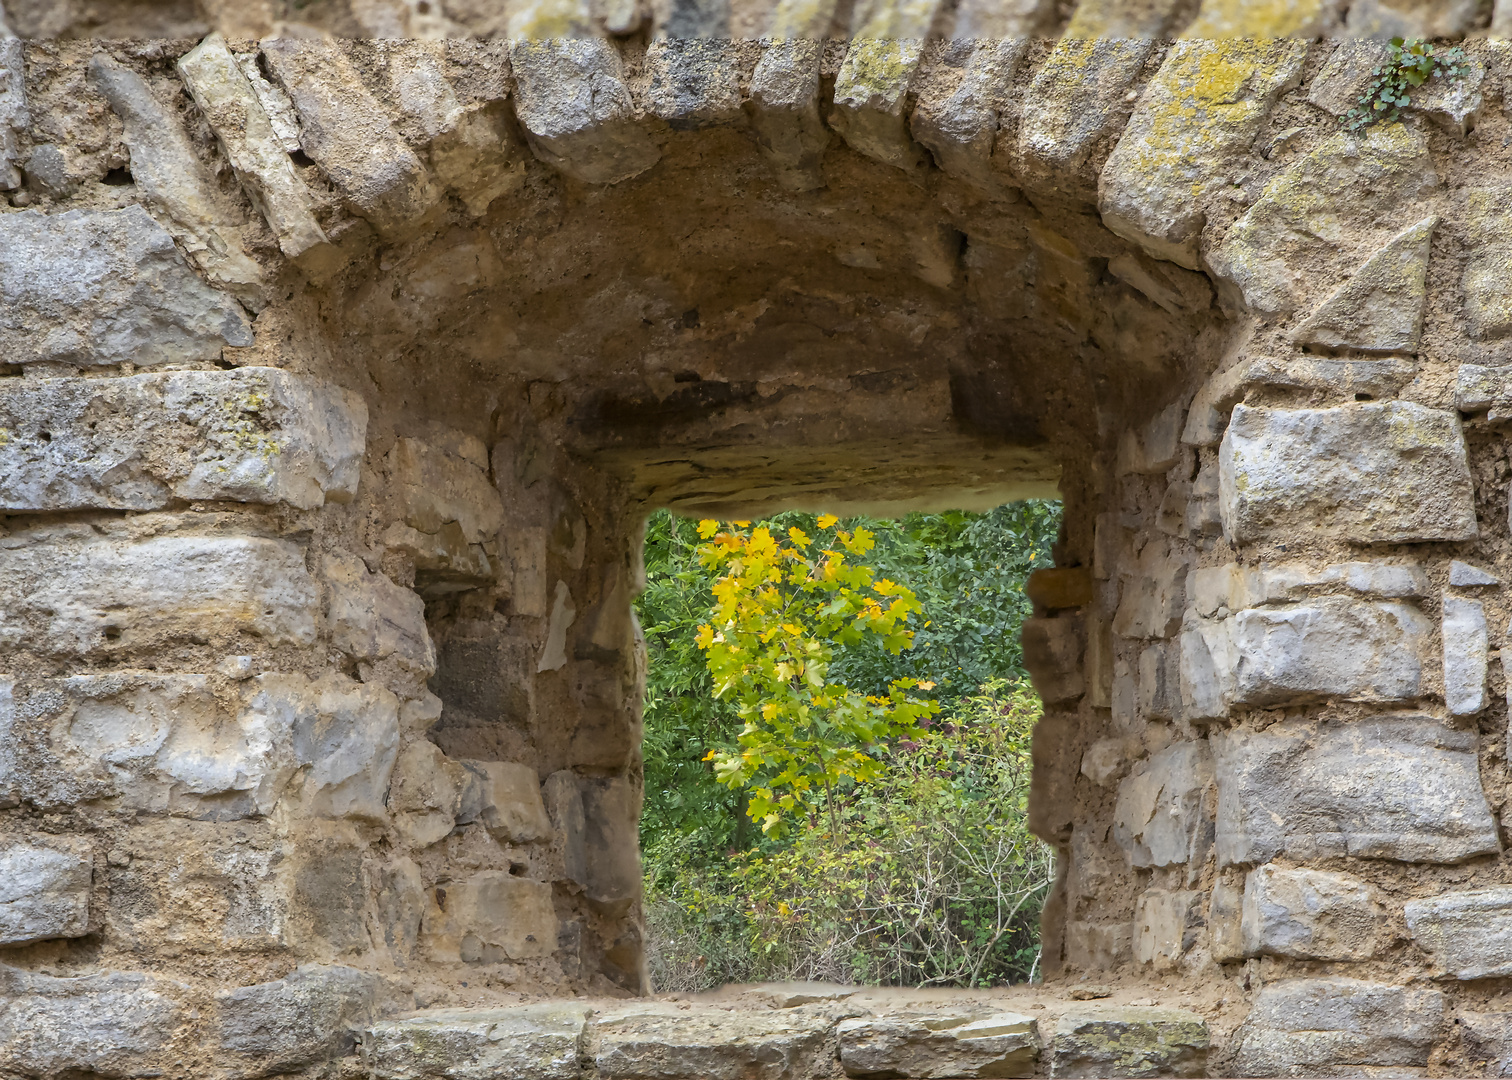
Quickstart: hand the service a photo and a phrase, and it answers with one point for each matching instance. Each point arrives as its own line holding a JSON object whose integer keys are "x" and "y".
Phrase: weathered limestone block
{"x": 252, "y": 144}
{"x": 1309, "y": 915}
{"x": 490, "y": 916}
{"x": 1323, "y": 1025}
{"x": 662, "y": 1040}
{"x": 1467, "y": 651}
{"x": 1351, "y": 191}
{"x": 1098, "y": 946}
{"x": 1163, "y": 817}
{"x": 593, "y": 824}
{"x": 254, "y": 434}
{"x": 1464, "y": 576}
{"x": 956, "y": 118}
{"x": 377, "y": 623}
{"x": 1153, "y": 447}
{"x": 95, "y": 288}
{"x": 1204, "y": 106}
{"x": 1115, "y": 1040}
{"x": 1487, "y": 1038}
{"x": 938, "y": 1046}
{"x": 694, "y": 80}
{"x": 1469, "y": 934}
{"x": 1053, "y": 655}
{"x": 111, "y": 1024}
{"x": 15, "y": 117}
{"x": 1075, "y": 105}
{"x": 308, "y": 1016}
{"x": 1484, "y": 389}
{"x": 1401, "y": 787}
{"x": 165, "y": 169}
{"x": 1154, "y": 594}
{"x": 1208, "y": 663}
{"x": 577, "y": 113}
{"x": 44, "y": 892}
{"x": 871, "y": 89}
{"x": 425, "y": 793}
{"x": 1225, "y": 922}
{"x": 75, "y": 593}
{"x": 1165, "y": 926}
{"x": 1380, "y": 309}
{"x": 1221, "y": 590}
{"x": 1330, "y": 647}
{"x": 346, "y": 732}
{"x": 450, "y": 509}
{"x": 506, "y": 799}
{"x": 1485, "y": 214}
{"x": 1107, "y": 760}
{"x": 1367, "y": 473}
{"x": 1239, "y": 18}
{"x": 541, "y": 1042}
{"x": 1386, "y": 19}
{"x": 349, "y": 135}
{"x": 784, "y": 109}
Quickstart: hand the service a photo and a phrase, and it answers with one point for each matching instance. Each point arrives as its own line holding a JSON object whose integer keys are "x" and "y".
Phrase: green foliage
{"x": 934, "y": 879}
{"x": 781, "y": 610}
{"x": 1409, "y": 64}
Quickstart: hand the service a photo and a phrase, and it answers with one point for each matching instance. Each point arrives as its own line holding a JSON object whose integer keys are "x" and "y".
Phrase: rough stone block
{"x": 956, "y": 118}
{"x": 784, "y": 108}
{"x": 44, "y": 893}
{"x": 1098, "y": 946}
{"x": 100, "y": 287}
{"x": 1053, "y": 655}
{"x": 257, "y": 435}
{"x": 539, "y": 1042}
{"x": 1208, "y": 662}
{"x": 1154, "y": 594}
{"x": 1379, "y": 309}
{"x": 1331, "y": 1025}
{"x": 447, "y": 498}
{"x": 252, "y": 144}
{"x": 506, "y": 798}
{"x": 1225, "y": 922}
{"x": 346, "y": 732}
{"x": 1239, "y": 18}
{"x": 1401, "y": 787}
{"x": 111, "y": 1024}
{"x": 1154, "y": 446}
{"x": 1366, "y": 473}
{"x": 489, "y": 917}
{"x": 81, "y": 594}
{"x": 377, "y": 623}
{"x": 1166, "y": 925}
{"x": 425, "y": 793}
{"x": 640, "y": 1041}
{"x": 1351, "y": 192}
{"x": 1332, "y": 647}
{"x": 1203, "y": 107}
{"x": 349, "y": 135}
{"x": 938, "y": 1046}
{"x": 1488, "y": 1039}
{"x": 1482, "y": 389}
{"x": 1466, "y": 655}
{"x": 871, "y": 88}
{"x": 1309, "y": 915}
{"x": 572, "y": 100}
{"x": 308, "y": 1016}
{"x": 1487, "y": 278}
{"x": 1469, "y": 934}
{"x": 15, "y": 117}
{"x": 1162, "y": 817}
{"x": 695, "y": 81}
{"x": 1114, "y": 1040}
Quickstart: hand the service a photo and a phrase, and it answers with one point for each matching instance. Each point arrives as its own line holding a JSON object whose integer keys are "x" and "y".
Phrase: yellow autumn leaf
{"x": 707, "y": 528}
{"x": 827, "y": 521}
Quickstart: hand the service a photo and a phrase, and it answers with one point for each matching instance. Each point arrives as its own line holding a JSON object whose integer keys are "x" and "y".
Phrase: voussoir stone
{"x": 930, "y": 1047}
{"x": 658, "y": 1041}
{"x": 44, "y": 893}
{"x": 1469, "y": 934}
{"x": 531, "y": 1042}
{"x": 309, "y": 1015}
{"x": 1368, "y": 473}
{"x": 1401, "y": 787}
{"x": 99, "y": 287}
{"x": 1317, "y": 1026}
{"x": 1114, "y": 1040}
{"x": 256, "y": 435}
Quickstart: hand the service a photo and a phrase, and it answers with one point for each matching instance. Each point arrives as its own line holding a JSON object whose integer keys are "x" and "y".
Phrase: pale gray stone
{"x": 253, "y": 144}
{"x": 1352, "y": 191}
{"x": 1125, "y": 1040}
{"x": 1488, "y": 1038}
{"x": 1368, "y": 473}
{"x": 254, "y": 434}
{"x": 399, "y": 899}
{"x": 871, "y": 89}
{"x": 345, "y": 731}
{"x": 349, "y": 135}
{"x": 1381, "y": 377}
{"x": 1487, "y": 278}
{"x": 506, "y": 798}
{"x": 1379, "y": 309}
{"x": 379, "y": 624}
{"x": 1208, "y": 664}
{"x": 1225, "y": 922}
{"x": 956, "y": 118}
{"x": 1400, "y": 787}
{"x": 15, "y": 117}
{"x": 1464, "y": 576}
{"x": 694, "y": 81}
{"x": 1309, "y": 915}
{"x": 451, "y": 508}
{"x": 1107, "y": 760}
{"x": 1053, "y": 655}
{"x": 425, "y": 794}
{"x": 99, "y": 287}
{"x": 784, "y": 108}
{"x": 490, "y": 916}
{"x": 81, "y": 594}
{"x": 538, "y": 1042}
{"x": 1202, "y": 109}
{"x": 1469, "y": 934}
{"x": 572, "y": 100}
{"x": 308, "y": 1016}
{"x": 110, "y": 1024}
{"x": 1155, "y": 446}
{"x": 938, "y": 1046}
{"x": 1334, "y": 1026}
{"x": 1161, "y": 817}
{"x": 1164, "y": 284}
{"x": 1330, "y": 647}
{"x": 44, "y": 893}
{"x": 1153, "y": 593}
{"x": 1166, "y": 924}
{"x": 1158, "y": 683}
{"x": 1467, "y": 649}
{"x": 1481, "y": 389}
{"x": 790, "y": 995}
{"x": 656, "y": 1039}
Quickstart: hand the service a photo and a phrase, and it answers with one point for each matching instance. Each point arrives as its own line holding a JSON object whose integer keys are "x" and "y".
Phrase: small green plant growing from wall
{"x": 1408, "y": 65}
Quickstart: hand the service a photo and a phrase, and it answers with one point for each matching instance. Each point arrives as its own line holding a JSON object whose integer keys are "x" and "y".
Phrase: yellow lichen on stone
{"x": 801, "y": 20}
{"x": 1260, "y": 18}
{"x": 877, "y": 71}
{"x": 546, "y": 20}
{"x": 901, "y": 19}
{"x": 1120, "y": 19}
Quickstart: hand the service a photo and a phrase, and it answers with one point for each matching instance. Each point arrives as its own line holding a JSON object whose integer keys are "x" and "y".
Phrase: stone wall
{"x": 346, "y": 345}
